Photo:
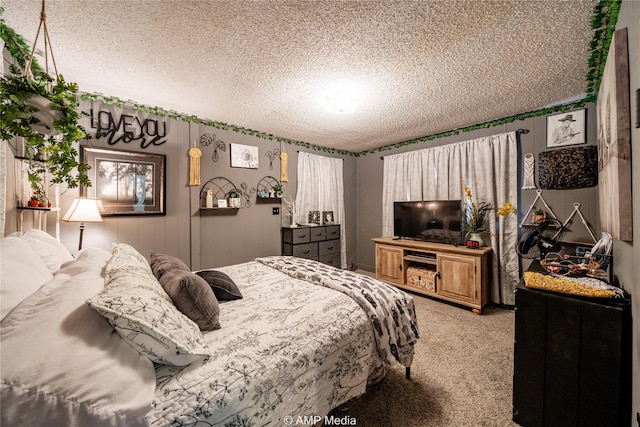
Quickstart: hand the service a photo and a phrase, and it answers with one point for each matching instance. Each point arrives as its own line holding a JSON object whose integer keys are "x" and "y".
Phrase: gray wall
{"x": 625, "y": 254}
{"x": 200, "y": 238}
{"x": 370, "y": 174}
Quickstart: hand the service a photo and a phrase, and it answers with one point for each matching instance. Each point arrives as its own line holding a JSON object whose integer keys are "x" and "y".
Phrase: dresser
{"x": 572, "y": 360}
{"x": 321, "y": 243}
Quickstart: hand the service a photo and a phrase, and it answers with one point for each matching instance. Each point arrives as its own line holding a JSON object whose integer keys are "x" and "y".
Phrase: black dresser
{"x": 321, "y": 243}
{"x": 572, "y": 360}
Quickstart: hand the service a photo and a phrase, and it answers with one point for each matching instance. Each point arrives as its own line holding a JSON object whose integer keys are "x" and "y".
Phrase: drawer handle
{"x": 302, "y": 236}
{"x": 329, "y": 248}
{"x": 306, "y": 252}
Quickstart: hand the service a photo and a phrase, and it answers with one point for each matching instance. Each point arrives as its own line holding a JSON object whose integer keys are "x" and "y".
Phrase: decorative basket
{"x": 565, "y": 268}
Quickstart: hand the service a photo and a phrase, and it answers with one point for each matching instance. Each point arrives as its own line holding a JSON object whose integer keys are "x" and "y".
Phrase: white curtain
{"x": 3, "y": 185}
{"x": 489, "y": 167}
{"x": 321, "y": 188}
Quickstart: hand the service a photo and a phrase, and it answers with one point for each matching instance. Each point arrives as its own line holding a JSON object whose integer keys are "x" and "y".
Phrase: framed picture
{"x": 638, "y": 108}
{"x": 314, "y": 217}
{"x": 222, "y": 203}
{"x": 126, "y": 182}
{"x": 614, "y": 142}
{"x": 566, "y": 129}
{"x": 244, "y": 156}
{"x": 327, "y": 217}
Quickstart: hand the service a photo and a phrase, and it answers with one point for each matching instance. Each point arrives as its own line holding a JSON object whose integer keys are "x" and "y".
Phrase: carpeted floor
{"x": 461, "y": 374}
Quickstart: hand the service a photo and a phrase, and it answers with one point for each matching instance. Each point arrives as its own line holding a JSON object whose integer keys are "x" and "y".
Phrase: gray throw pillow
{"x": 161, "y": 263}
{"x": 192, "y": 295}
{"x": 223, "y": 287}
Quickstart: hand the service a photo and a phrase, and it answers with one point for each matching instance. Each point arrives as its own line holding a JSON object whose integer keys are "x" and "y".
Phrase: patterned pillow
{"x": 223, "y": 287}
{"x": 143, "y": 314}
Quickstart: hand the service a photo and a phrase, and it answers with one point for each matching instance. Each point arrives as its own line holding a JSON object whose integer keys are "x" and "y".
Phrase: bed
{"x": 109, "y": 338}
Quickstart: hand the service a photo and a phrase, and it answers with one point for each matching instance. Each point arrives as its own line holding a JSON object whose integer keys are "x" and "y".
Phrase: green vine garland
{"x": 603, "y": 22}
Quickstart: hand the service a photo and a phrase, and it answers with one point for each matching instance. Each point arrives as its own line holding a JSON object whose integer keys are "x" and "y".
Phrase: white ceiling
{"x": 414, "y": 68}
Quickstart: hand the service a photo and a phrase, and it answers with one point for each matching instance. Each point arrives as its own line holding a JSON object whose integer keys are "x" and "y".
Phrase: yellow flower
{"x": 467, "y": 190}
{"x": 476, "y": 214}
{"x": 506, "y": 209}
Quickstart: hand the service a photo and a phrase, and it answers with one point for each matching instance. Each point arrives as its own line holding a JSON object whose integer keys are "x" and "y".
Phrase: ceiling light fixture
{"x": 341, "y": 102}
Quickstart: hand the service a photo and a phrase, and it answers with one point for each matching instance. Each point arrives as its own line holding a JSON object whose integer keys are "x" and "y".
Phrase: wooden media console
{"x": 453, "y": 273}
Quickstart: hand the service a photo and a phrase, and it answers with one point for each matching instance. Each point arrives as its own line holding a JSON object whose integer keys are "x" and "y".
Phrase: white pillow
{"x": 52, "y": 252}
{"x": 134, "y": 302}
{"x": 22, "y": 272}
{"x": 63, "y": 361}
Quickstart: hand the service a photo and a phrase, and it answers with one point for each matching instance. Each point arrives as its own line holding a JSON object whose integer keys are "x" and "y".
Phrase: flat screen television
{"x": 438, "y": 221}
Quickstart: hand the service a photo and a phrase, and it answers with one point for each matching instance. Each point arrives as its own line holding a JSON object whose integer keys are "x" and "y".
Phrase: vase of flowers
{"x": 476, "y": 215}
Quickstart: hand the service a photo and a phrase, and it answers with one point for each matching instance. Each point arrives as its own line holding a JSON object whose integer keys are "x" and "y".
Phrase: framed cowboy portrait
{"x": 566, "y": 129}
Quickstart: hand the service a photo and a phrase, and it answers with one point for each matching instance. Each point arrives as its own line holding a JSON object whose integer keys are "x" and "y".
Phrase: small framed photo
{"x": 222, "y": 203}
{"x": 327, "y": 217}
{"x": 244, "y": 156}
{"x": 314, "y": 217}
{"x": 566, "y": 129}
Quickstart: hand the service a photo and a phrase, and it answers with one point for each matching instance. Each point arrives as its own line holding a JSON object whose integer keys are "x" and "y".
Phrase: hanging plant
{"x": 43, "y": 111}
{"x": 45, "y": 114}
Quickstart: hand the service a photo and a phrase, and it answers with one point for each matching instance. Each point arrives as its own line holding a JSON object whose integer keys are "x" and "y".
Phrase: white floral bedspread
{"x": 289, "y": 348}
{"x": 391, "y": 310}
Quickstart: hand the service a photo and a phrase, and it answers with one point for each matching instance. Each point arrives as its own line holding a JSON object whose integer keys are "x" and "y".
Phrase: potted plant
{"x": 538, "y": 216}
{"x": 278, "y": 190}
{"x": 234, "y": 197}
{"x": 33, "y": 202}
{"x": 39, "y": 199}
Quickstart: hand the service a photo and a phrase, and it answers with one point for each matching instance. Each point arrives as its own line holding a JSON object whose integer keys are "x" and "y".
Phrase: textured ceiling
{"x": 411, "y": 68}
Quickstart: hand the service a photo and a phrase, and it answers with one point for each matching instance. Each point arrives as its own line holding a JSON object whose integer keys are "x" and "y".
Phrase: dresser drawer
{"x": 318, "y": 233}
{"x": 329, "y": 247}
{"x": 332, "y": 260}
{"x": 308, "y": 250}
{"x": 296, "y": 235}
{"x": 333, "y": 232}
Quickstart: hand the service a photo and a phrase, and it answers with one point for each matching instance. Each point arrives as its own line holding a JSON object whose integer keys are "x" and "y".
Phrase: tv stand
{"x": 447, "y": 272}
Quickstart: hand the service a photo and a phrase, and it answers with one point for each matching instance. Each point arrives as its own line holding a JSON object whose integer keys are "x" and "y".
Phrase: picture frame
{"x": 614, "y": 141}
{"x": 327, "y": 217}
{"x": 566, "y": 128}
{"x": 126, "y": 182}
{"x": 638, "y": 108}
{"x": 244, "y": 156}
{"x": 222, "y": 203}
{"x": 314, "y": 217}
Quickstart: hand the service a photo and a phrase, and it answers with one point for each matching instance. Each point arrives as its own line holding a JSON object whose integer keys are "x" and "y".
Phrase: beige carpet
{"x": 461, "y": 373}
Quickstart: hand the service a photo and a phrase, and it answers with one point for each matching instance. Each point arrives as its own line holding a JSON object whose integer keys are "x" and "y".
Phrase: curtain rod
{"x": 518, "y": 133}
{"x": 297, "y": 151}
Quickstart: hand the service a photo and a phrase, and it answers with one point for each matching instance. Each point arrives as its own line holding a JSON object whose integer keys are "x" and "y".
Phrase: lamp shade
{"x": 83, "y": 210}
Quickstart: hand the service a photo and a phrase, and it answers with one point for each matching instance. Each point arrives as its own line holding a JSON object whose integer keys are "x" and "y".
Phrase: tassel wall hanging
{"x": 194, "y": 166}
{"x": 283, "y": 167}
{"x": 528, "y": 182}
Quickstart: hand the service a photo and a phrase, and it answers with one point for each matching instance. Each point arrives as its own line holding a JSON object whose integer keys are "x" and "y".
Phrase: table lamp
{"x": 83, "y": 210}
